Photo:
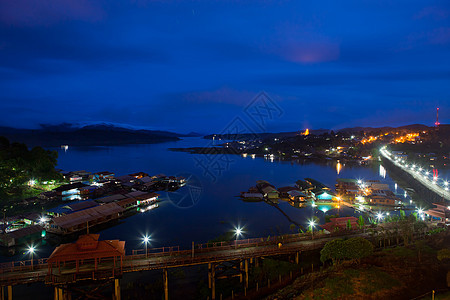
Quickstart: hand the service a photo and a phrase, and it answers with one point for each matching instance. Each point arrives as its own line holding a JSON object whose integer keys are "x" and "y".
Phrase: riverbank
{"x": 392, "y": 273}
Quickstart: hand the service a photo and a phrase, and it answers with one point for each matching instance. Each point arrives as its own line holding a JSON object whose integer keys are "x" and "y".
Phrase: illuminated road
{"x": 418, "y": 174}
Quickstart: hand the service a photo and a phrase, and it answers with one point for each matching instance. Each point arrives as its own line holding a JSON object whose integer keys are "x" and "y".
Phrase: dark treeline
{"x": 19, "y": 165}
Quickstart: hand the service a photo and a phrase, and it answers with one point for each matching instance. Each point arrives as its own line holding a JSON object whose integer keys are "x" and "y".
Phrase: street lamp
{"x": 31, "y": 250}
{"x": 146, "y": 240}
{"x": 237, "y": 233}
{"x": 379, "y": 216}
{"x": 312, "y": 224}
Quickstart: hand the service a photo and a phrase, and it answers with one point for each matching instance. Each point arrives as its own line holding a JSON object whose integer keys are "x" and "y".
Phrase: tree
{"x": 361, "y": 222}
{"x": 443, "y": 254}
{"x": 349, "y": 225}
{"x": 353, "y": 249}
{"x": 357, "y": 248}
{"x": 333, "y": 250}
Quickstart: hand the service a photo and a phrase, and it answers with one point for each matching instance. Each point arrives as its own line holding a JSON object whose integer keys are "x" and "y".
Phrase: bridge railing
{"x": 204, "y": 248}
{"x": 215, "y": 256}
{"x": 13, "y": 266}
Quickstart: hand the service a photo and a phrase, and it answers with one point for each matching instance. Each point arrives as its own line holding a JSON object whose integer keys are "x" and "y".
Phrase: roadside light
{"x": 146, "y": 240}
{"x": 312, "y": 224}
{"x": 379, "y": 216}
{"x": 237, "y": 231}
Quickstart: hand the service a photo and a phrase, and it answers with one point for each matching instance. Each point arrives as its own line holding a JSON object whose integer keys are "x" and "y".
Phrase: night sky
{"x": 194, "y": 65}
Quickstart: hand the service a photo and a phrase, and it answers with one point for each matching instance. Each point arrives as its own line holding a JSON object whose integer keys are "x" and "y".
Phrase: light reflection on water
{"x": 218, "y": 209}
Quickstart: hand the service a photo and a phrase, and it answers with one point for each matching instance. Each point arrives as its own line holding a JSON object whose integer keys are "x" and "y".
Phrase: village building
{"x": 80, "y": 220}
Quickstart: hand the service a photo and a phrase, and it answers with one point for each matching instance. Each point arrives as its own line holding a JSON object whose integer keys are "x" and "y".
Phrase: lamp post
{"x": 238, "y": 232}
{"x": 31, "y": 250}
{"x": 146, "y": 240}
{"x": 312, "y": 224}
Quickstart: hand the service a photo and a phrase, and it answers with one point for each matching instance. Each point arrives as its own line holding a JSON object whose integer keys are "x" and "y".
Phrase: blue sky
{"x": 195, "y": 65}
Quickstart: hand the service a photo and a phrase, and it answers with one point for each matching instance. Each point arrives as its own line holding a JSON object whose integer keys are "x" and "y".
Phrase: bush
{"x": 351, "y": 249}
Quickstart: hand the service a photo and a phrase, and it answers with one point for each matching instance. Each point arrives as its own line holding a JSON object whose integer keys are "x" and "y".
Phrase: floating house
{"x": 100, "y": 176}
{"x": 70, "y": 191}
{"x": 71, "y": 208}
{"x": 79, "y": 221}
{"x": 270, "y": 192}
{"x": 22, "y": 236}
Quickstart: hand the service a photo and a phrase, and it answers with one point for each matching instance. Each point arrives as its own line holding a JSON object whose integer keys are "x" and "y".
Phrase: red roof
{"x": 340, "y": 223}
{"x": 88, "y": 247}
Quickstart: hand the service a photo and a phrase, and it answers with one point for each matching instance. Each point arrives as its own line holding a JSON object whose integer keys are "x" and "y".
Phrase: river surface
{"x": 208, "y": 205}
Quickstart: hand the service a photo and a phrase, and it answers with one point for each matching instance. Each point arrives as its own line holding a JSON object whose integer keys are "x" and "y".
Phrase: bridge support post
{"x": 241, "y": 267}
{"x": 297, "y": 258}
{"x": 213, "y": 281}
{"x": 116, "y": 289}
{"x": 166, "y": 284}
{"x": 246, "y": 273}
{"x": 60, "y": 294}
{"x": 2, "y": 293}
{"x": 9, "y": 292}
{"x": 209, "y": 275}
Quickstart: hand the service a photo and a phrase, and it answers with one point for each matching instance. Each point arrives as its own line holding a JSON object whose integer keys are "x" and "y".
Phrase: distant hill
{"x": 416, "y": 127}
{"x": 250, "y": 136}
{"x": 89, "y": 135}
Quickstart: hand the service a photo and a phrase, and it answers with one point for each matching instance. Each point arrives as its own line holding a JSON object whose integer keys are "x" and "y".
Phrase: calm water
{"x": 210, "y": 207}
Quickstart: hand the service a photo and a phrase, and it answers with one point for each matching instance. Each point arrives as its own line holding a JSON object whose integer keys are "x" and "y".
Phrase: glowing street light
{"x": 379, "y": 216}
{"x": 146, "y": 240}
{"x": 43, "y": 220}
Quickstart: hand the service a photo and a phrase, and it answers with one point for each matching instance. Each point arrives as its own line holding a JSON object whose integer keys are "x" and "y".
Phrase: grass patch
{"x": 400, "y": 252}
{"x": 361, "y": 282}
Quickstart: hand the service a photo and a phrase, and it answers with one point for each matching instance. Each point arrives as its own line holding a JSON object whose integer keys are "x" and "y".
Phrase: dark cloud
{"x": 183, "y": 64}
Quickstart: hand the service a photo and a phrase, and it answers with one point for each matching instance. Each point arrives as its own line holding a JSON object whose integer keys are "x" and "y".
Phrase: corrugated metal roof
{"x": 112, "y": 198}
{"x": 87, "y": 215}
{"x": 29, "y": 230}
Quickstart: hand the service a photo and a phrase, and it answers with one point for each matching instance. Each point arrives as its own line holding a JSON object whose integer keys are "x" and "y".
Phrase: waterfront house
{"x": 139, "y": 175}
{"x": 297, "y": 196}
{"x": 79, "y": 221}
{"x": 383, "y": 200}
{"x": 304, "y": 186}
{"x": 22, "y": 236}
{"x": 146, "y": 198}
{"x": 337, "y": 224}
{"x": 324, "y": 195}
{"x": 105, "y": 175}
{"x": 112, "y": 198}
{"x": 270, "y": 192}
{"x": 71, "y": 208}
{"x": 70, "y": 191}
{"x": 440, "y": 213}
{"x": 284, "y": 191}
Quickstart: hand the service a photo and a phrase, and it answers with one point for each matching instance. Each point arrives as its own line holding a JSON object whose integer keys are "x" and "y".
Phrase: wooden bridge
{"x": 242, "y": 252}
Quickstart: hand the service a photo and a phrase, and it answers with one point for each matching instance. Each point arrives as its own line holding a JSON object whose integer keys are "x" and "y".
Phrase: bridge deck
{"x": 168, "y": 257}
